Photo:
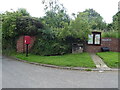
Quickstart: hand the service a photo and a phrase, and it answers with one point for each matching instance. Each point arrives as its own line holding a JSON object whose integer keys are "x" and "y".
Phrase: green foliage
{"x": 15, "y": 24}
{"x": 88, "y": 69}
{"x": 115, "y": 25}
{"x": 112, "y": 34}
{"x": 55, "y": 32}
{"x": 9, "y": 52}
{"x": 64, "y": 32}
{"x": 95, "y": 20}
{"x": 51, "y": 42}
{"x": 56, "y": 20}
{"x": 109, "y": 27}
{"x": 56, "y": 15}
{"x": 9, "y": 20}
{"x": 8, "y": 30}
{"x": 23, "y": 11}
{"x": 79, "y": 27}
{"x": 49, "y": 47}
{"x": 26, "y": 25}
{"x": 116, "y": 21}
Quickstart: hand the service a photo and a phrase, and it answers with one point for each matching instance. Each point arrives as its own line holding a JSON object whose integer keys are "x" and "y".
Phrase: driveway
{"x": 17, "y": 74}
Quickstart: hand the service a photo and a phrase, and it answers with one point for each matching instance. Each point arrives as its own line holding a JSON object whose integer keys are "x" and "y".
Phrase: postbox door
{"x": 27, "y": 39}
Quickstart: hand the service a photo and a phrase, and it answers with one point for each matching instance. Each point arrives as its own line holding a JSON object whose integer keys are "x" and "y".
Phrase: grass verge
{"x": 71, "y": 60}
{"x": 110, "y": 58}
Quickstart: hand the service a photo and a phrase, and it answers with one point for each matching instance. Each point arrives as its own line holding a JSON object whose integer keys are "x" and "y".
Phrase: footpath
{"x": 101, "y": 66}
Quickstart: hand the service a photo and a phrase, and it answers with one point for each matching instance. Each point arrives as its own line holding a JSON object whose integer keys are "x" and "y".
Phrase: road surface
{"x": 16, "y": 74}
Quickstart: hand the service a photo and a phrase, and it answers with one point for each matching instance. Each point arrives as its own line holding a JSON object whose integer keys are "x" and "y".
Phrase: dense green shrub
{"x": 27, "y": 25}
{"x": 112, "y": 34}
{"x": 49, "y": 47}
{"x": 8, "y": 31}
{"x": 14, "y": 24}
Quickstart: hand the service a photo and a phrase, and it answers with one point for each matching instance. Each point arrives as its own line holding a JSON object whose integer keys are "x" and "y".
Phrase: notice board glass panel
{"x": 97, "y": 38}
{"x": 90, "y": 39}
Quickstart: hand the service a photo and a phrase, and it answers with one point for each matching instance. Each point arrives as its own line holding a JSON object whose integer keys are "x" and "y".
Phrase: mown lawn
{"x": 110, "y": 58}
{"x": 71, "y": 60}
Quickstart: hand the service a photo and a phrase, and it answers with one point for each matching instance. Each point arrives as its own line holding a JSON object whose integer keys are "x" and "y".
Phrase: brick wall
{"x": 21, "y": 47}
{"x": 112, "y": 43}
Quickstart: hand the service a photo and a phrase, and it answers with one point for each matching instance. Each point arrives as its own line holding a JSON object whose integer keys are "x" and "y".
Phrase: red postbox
{"x": 27, "y": 39}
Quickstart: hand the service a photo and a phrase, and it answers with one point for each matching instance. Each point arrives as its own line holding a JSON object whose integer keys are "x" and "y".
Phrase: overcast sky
{"x": 106, "y": 8}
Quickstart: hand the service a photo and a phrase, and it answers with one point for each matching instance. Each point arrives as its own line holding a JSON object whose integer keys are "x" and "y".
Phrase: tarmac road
{"x": 16, "y": 74}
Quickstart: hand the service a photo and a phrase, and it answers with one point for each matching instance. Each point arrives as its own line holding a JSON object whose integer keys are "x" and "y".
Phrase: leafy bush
{"x": 112, "y": 34}
{"x": 27, "y": 25}
{"x": 49, "y": 47}
{"x": 15, "y": 24}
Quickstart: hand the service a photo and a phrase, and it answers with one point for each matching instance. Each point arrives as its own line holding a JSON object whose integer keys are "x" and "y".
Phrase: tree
{"x": 116, "y": 21}
{"x": 23, "y": 11}
{"x": 0, "y": 33}
{"x": 95, "y": 19}
{"x": 110, "y": 27}
{"x": 8, "y": 29}
{"x": 80, "y": 26}
{"x": 77, "y": 31}
{"x": 50, "y": 42}
{"x": 9, "y": 20}
{"x": 55, "y": 14}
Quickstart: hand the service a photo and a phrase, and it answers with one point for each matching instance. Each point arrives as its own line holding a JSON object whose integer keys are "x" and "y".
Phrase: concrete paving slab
{"x": 99, "y": 62}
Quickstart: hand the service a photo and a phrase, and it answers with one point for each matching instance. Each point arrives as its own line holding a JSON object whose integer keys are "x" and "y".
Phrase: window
{"x": 94, "y": 38}
{"x": 90, "y": 39}
{"x": 97, "y": 38}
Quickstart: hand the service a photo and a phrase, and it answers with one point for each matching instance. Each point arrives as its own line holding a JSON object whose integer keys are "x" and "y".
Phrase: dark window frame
{"x": 94, "y": 33}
